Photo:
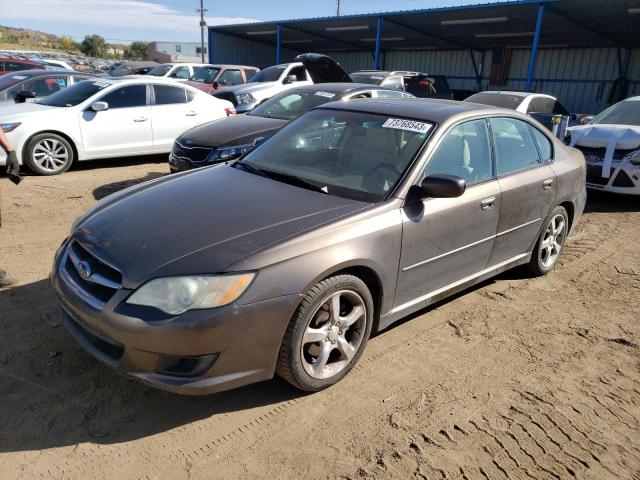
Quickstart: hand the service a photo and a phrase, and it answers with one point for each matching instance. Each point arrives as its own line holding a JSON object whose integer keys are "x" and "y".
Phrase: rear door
{"x": 445, "y": 240}
{"x": 124, "y": 128}
{"x": 173, "y": 111}
{"x": 527, "y": 182}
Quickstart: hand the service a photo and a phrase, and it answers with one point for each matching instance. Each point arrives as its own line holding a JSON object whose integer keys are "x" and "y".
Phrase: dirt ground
{"x": 518, "y": 378}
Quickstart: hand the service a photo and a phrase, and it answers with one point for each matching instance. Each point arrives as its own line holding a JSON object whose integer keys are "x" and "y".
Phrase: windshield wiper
{"x": 249, "y": 168}
{"x": 293, "y": 180}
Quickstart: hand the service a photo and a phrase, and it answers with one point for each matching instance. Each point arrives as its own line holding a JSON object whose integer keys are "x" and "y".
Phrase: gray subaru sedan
{"x": 285, "y": 261}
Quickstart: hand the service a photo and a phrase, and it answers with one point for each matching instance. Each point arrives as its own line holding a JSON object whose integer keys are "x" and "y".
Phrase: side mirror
{"x": 24, "y": 94}
{"x": 290, "y": 79}
{"x": 443, "y": 186}
{"x": 99, "y": 106}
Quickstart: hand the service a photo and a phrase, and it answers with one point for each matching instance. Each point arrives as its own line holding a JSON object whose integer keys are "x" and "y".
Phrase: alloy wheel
{"x": 50, "y": 155}
{"x": 334, "y": 334}
{"x": 553, "y": 241}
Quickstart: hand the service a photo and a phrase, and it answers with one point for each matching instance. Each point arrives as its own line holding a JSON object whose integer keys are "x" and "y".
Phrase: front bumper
{"x": 240, "y": 342}
{"x": 624, "y": 178}
{"x": 179, "y": 164}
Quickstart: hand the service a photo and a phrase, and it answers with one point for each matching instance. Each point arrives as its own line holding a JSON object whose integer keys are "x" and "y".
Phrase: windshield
{"x": 360, "y": 156}
{"x": 367, "y": 78}
{"x": 74, "y": 95}
{"x": 160, "y": 70}
{"x": 270, "y": 74}
{"x": 205, "y": 75}
{"x": 288, "y": 106}
{"x": 503, "y": 100}
{"x": 622, "y": 113}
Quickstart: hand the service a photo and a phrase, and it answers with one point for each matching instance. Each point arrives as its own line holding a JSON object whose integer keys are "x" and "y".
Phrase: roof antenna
{"x": 338, "y": 8}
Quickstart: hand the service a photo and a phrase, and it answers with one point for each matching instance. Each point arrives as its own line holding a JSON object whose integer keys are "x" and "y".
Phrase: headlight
{"x": 9, "y": 127}
{"x": 221, "y": 154}
{"x": 243, "y": 98}
{"x": 633, "y": 157}
{"x": 175, "y": 295}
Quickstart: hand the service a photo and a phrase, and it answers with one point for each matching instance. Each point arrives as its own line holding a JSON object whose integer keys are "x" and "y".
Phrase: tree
{"x": 67, "y": 44}
{"x": 137, "y": 51}
{"x": 93, "y": 46}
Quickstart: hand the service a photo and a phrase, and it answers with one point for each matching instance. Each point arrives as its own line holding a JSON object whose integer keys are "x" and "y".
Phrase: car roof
{"x": 40, "y": 73}
{"x": 139, "y": 79}
{"x": 226, "y": 65}
{"x": 632, "y": 99}
{"x": 18, "y": 60}
{"x": 339, "y": 87}
{"x": 432, "y": 110}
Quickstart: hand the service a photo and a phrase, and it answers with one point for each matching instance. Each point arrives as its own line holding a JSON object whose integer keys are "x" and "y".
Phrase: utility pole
{"x": 338, "y": 9}
{"x": 203, "y": 25}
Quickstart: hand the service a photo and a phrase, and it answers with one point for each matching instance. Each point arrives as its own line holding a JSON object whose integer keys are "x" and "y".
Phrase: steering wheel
{"x": 387, "y": 166}
{"x": 374, "y": 182}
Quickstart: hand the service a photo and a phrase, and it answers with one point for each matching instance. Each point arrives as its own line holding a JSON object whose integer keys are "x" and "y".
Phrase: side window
{"x": 391, "y": 94}
{"x": 299, "y": 72}
{"x": 181, "y": 72}
{"x": 361, "y": 95}
{"x": 394, "y": 82}
{"x": 190, "y": 95}
{"x": 249, "y": 72}
{"x": 231, "y": 77}
{"x": 545, "y": 147}
{"x": 124, "y": 97}
{"x": 559, "y": 108}
{"x": 464, "y": 152}
{"x": 541, "y": 105}
{"x": 43, "y": 86}
{"x": 513, "y": 145}
{"x": 79, "y": 78}
{"x": 167, "y": 95}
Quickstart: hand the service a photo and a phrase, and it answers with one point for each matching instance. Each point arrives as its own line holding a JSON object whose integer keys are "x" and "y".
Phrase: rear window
{"x": 205, "y": 75}
{"x": 503, "y": 100}
{"x": 290, "y": 105}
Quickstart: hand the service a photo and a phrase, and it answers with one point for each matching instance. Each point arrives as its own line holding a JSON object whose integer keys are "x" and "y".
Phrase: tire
{"x": 550, "y": 244}
{"x": 317, "y": 350}
{"x": 49, "y": 154}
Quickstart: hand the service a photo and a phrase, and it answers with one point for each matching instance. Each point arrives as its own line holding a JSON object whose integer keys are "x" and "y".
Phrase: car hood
{"x": 25, "y": 110}
{"x": 234, "y": 130}
{"x": 626, "y": 137}
{"x": 200, "y": 222}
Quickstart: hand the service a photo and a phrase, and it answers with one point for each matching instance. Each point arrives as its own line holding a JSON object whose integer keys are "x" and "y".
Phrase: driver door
{"x": 445, "y": 240}
{"x": 124, "y": 128}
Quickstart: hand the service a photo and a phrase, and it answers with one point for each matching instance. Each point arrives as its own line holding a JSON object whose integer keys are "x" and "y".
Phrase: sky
{"x": 122, "y": 21}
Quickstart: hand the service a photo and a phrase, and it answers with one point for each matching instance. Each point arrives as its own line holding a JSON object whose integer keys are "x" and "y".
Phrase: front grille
{"x": 93, "y": 277}
{"x": 109, "y": 348}
{"x": 623, "y": 180}
{"x": 193, "y": 153}
{"x": 594, "y": 175}
{"x": 592, "y": 155}
{"x": 230, "y": 97}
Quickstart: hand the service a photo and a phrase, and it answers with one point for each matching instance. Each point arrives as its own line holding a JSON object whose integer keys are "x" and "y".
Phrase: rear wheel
{"x": 327, "y": 334}
{"x": 49, "y": 154}
{"x": 550, "y": 244}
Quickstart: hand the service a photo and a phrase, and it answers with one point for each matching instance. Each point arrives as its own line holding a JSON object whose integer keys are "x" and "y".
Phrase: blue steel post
{"x": 376, "y": 55}
{"x": 278, "y": 43}
{"x": 533, "y": 58}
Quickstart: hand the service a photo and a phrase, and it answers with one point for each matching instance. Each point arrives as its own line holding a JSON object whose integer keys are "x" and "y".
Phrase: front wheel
{"x": 49, "y": 154}
{"x": 327, "y": 334}
{"x": 550, "y": 244}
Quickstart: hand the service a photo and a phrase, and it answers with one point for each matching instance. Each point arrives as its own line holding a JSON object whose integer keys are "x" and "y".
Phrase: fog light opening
{"x": 186, "y": 366}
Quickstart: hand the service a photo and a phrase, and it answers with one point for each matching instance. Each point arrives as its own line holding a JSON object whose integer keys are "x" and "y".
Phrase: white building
{"x": 176, "y": 52}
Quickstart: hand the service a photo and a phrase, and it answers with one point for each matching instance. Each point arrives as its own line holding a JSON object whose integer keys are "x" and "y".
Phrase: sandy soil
{"x": 518, "y": 378}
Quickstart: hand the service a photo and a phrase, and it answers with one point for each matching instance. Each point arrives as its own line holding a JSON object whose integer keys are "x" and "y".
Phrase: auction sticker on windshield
{"x": 410, "y": 125}
{"x": 325, "y": 94}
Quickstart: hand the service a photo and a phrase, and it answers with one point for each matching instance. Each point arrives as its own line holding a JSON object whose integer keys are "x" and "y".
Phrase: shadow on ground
{"x": 606, "y": 202}
{"x": 54, "y": 394}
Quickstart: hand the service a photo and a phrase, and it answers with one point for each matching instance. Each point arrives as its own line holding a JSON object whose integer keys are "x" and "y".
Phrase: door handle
{"x": 547, "y": 183}
{"x": 140, "y": 119}
{"x": 191, "y": 114}
{"x": 488, "y": 203}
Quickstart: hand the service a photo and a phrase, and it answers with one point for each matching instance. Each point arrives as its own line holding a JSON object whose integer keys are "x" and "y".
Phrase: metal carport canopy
{"x": 517, "y": 24}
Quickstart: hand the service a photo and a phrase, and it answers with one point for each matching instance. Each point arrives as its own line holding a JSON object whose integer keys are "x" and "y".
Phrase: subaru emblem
{"x": 84, "y": 270}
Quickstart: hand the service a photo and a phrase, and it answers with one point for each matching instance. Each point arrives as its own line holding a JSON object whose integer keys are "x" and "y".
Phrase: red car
{"x": 14, "y": 64}
{"x": 210, "y": 77}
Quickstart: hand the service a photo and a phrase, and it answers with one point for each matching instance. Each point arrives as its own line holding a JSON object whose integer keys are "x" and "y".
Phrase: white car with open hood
{"x": 110, "y": 117}
{"x": 611, "y": 147}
